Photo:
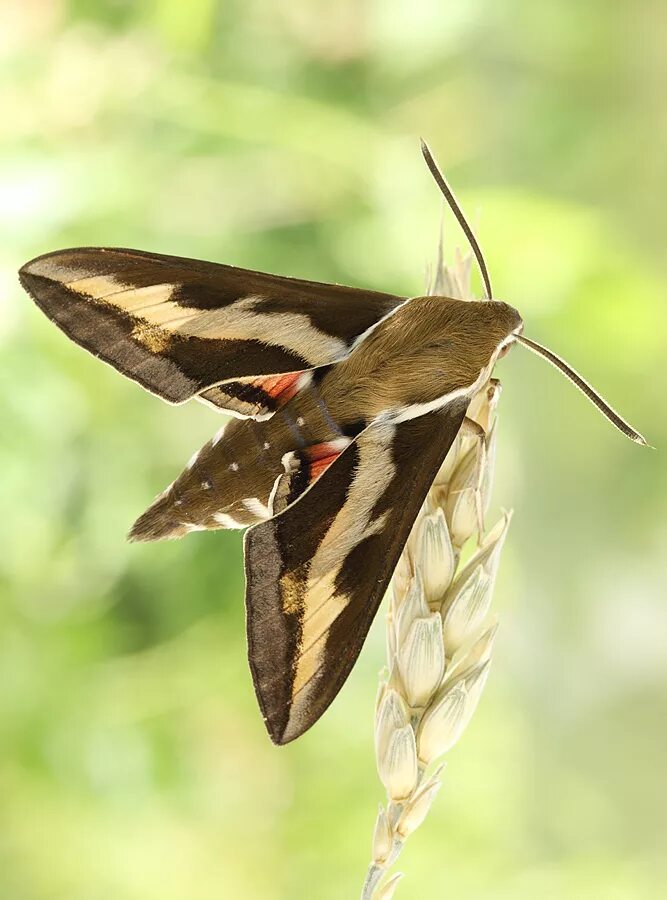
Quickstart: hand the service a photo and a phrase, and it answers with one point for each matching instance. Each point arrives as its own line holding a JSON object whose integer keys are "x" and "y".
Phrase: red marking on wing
{"x": 321, "y": 456}
{"x": 279, "y": 386}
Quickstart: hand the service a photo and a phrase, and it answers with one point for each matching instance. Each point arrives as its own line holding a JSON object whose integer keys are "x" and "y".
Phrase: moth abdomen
{"x": 227, "y": 484}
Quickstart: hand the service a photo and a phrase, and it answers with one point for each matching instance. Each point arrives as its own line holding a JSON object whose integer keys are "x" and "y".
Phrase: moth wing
{"x": 179, "y": 327}
{"x": 256, "y": 397}
{"x": 317, "y": 572}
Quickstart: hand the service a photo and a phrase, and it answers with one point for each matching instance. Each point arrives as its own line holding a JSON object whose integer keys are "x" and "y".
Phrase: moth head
{"x": 478, "y": 334}
{"x": 497, "y": 327}
{"x": 514, "y": 325}
{"x": 508, "y": 321}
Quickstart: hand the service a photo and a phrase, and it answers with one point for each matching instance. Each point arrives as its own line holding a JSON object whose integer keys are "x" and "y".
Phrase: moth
{"x": 345, "y": 403}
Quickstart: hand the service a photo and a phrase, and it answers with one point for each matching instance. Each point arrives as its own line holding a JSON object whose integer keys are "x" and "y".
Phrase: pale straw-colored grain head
{"x": 440, "y": 634}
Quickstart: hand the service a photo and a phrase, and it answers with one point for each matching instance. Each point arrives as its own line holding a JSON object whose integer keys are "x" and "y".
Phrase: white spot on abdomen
{"x": 227, "y": 521}
{"x": 255, "y": 506}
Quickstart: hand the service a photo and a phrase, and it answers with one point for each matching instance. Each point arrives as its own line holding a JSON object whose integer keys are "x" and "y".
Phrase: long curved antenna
{"x": 585, "y": 388}
{"x": 461, "y": 219}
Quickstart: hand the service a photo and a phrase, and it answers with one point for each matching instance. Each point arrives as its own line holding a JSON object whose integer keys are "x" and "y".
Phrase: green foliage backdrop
{"x": 283, "y": 135}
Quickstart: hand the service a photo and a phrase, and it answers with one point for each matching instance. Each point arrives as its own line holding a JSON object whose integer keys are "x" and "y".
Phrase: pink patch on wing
{"x": 279, "y": 386}
{"x": 321, "y": 456}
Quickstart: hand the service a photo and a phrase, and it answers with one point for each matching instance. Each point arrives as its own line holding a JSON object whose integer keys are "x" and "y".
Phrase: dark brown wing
{"x": 317, "y": 572}
{"x": 179, "y": 326}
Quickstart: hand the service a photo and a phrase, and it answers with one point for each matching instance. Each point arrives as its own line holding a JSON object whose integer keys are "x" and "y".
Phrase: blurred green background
{"x": 283, "y": 135}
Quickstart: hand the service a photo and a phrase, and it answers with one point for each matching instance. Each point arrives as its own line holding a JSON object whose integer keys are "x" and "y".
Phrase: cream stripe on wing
{"x": 237, "y": 321}
{"x": 322, "y": 660}
{"x": 103, "y": 287}
{"x": 353, "y": 523}
{"x": 375, "y": 470}
{"x": 240, "y": 321}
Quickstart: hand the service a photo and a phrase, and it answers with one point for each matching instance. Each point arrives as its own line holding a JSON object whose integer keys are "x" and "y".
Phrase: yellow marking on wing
{"x": 151, "y": 337}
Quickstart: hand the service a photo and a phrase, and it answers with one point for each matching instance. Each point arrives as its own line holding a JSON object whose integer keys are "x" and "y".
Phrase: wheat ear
{"x": 439, "y": 632}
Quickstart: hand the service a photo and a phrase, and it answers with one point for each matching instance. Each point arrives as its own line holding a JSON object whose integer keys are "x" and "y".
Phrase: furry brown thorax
{"x": 426, "y": 350}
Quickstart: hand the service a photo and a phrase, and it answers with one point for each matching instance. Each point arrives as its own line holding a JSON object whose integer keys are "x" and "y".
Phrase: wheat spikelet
{"x": 439, "y": 632}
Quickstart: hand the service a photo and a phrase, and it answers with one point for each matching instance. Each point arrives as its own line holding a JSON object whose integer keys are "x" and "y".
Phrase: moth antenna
{"x": 460, "y": 218}
{"x": 585, "y": 388}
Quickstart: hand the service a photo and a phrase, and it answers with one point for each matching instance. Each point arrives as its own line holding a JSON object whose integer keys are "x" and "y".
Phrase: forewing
{"x": 317, "y": 572}
{"x": 180, "y": 326}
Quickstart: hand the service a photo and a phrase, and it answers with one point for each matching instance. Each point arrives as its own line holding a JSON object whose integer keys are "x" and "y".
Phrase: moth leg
{"x": 471, "y": 428}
